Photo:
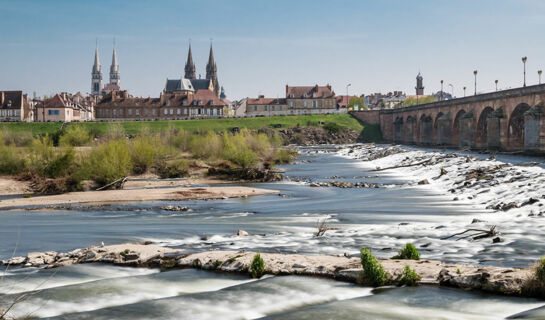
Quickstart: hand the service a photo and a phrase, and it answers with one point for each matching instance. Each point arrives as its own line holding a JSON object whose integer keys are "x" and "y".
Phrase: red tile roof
{"x": 309, "y": 92}
{"x": 265, "y": 101}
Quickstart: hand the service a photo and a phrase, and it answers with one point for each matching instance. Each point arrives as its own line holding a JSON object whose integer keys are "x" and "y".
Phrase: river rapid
{"x": 382, "y": 219}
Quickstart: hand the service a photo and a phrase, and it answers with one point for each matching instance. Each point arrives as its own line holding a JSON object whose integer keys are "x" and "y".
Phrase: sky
{"x": 262, "y": 45}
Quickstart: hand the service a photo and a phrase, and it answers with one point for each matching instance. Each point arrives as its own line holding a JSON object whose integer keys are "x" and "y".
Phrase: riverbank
{"x": 498, "y": 280}
{"x": 95, "y": 198}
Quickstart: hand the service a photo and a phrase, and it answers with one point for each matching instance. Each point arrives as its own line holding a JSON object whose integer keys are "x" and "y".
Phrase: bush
{"x": 333, "y": 127}
{"x": 207, "y": 146}
{"x": 174, "y": 169}
{"x": 257, "y": 267}
{"x": 109, "y": 162}
{"x": 409, "y": 277}
{"x": 236, "y": 150}
{"x": 540, "y": 271}
{"x": 115, "y": 131}
{"x": 285, "y": 155}
{"x": 373, "y": 272}
{"x": 12, "y": 159}
{"x": 75, "y": 136}
{"x": 408, "y": 252}
{"x": 48, "y": 162}
{"x": 145, "y": 151}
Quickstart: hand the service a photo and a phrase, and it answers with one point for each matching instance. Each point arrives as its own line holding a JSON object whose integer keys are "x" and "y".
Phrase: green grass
{"x": 134, "y": 127}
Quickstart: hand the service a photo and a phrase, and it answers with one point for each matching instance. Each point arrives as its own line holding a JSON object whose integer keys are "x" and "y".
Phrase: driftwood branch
{"x": 480, "y": 234}
{"x": 120, "y": 181}
{"x": 323, "y": 227}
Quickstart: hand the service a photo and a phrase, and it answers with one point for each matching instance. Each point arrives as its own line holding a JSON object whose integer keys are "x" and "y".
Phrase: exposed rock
{"x": 242, "y": 233}
{"x": 16, "y": 261}
{"x": 425, "y": 181}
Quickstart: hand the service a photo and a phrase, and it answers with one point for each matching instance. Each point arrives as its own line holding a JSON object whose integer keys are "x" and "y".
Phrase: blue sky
{"x": 260, "y": 46}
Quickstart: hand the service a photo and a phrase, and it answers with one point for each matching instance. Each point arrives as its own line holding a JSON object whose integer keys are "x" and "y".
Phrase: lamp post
{"x": 347, "y": 98}
{"x": 441, "y": 99}
{"x": 539, "y": 74}
{"x": 475, "y": 74}
{"x": 464, "y": 91}
{"x": 524, "y": 63}
{"x": 496, "y": 82}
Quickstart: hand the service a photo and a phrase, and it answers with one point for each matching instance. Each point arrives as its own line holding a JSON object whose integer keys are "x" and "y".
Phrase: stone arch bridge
{"x": 510, "y": 120}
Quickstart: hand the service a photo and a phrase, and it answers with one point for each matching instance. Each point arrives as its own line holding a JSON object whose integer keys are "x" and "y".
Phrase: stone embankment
{"x": 500, "y": 280}
{"x": 317, "y": 135}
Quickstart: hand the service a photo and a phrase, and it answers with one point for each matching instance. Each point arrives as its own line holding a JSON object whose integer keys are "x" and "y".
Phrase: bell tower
{"x": 115, "y": 75}
{"x": 419, "y": 85}
{"x": 96, "y": 75}
{"x": 212, "y": 72}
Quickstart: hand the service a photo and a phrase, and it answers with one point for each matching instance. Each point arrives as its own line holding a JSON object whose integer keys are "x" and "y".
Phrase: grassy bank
{"x": 135, "y": 127}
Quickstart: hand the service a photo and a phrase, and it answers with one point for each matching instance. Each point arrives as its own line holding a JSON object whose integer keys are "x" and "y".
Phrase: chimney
{"x": 2, "y": 98}
{"x": 316, "y": 88}
{"x": 287, "y": 90}
{"x": 261, "y": 96}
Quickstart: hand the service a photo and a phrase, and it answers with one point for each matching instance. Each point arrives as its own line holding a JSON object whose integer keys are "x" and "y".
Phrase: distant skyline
{"x": 260, "y": 46}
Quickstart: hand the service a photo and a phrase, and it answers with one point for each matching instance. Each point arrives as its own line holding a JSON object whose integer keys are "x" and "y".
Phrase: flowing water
{"x": 380, "y": 218}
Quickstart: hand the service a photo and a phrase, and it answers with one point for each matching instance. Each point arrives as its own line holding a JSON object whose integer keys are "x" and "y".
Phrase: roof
{"x": 11, "y": 99}
{"x": 130, "y": 102}
{"x": 201, "y": 84}
{"x": 265, "y": 101}
{"x": 304, "y": 92}
{"x": 184, "y": 85}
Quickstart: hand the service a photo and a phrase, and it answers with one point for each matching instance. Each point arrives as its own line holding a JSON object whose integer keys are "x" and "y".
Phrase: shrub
{"x": 174, "y": 169}
{"x": 409, "y": 277}
{"x": 333, "y": 127}
{"x": 75, "y": 136}
{"x": 236, "y": 151}
{"x": 48, "y": 162}
{"x": 285, "y": 155}
{"x": 257, "y": 267}
{"x": 115, "y": 131}
{"x": 12, "y": 159}
{"x": 373, "y": 272}
{"x": 540, "y": 271}
{"x": 109, "y": 162}
{"x": 179, "y": 139}
{"x": 207, "y": 146}
{"x": 145, "y": 151}
{"x": 408, "y": 252}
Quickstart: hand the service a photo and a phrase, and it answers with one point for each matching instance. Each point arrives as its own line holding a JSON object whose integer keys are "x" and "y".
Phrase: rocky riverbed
{"x": 505, "y": 281}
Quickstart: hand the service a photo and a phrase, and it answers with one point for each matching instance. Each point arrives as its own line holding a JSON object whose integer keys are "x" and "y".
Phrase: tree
{"x": 356, "y": 101}
{"x": 412, "y": 101}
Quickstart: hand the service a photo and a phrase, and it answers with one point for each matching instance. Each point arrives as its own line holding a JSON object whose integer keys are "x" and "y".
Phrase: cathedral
{"x": 190, "y": 83}
{"x": 96, "y": 76}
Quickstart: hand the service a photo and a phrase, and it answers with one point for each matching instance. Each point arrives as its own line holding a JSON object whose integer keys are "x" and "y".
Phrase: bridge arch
{"x": 398, "y": 129}
{"x": 436, "y": 127}
{"x": 426, "y": 130}
{"x": 515, "y": 129}
{"x": 456, "y": 127}
{"x": 410, "y": 129}
{"x": 481, "y": 130}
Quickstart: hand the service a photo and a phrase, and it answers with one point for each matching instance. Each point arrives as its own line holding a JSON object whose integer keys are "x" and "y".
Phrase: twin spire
{"x": 96, "y": 75}
{"x": 211, "y": 69}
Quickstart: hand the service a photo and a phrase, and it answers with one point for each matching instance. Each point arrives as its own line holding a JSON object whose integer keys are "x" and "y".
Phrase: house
{"x": 65, "y": 107}
{"x": 16, "y": 106}
{"x": 266, "y": 107}
{"x": 311, "y": 100}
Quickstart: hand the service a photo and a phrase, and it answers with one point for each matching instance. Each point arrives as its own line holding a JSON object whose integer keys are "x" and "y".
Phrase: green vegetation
{"x": 373, "y": 272}
{"x": 540, "y": 271}
{"x": 257, "y": 267}
{"x": 75, "y": 136}
{"x": 356, "y": 101}
{"x": 226, "y": 124}
{"x": 109, "y": 162}
{"x": 413, "y": 101}
{"x": 173, "y": 169}
{"x": 408, "y": 252}
{"x": 458, "y": 271}
{"x": 409, "y": 277}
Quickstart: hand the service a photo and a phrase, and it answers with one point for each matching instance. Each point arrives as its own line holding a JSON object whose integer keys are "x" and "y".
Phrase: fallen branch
{"x": 121, "y": 182}
{"x": 476, "y": 236}
{"x": 322, "y": 228}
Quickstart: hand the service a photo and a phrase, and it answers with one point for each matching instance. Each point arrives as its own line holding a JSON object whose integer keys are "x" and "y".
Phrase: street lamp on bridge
{"x": 496, "y": 82}
{"x": 464, "y": 91}
{"x": 539, "y": 74}
{"x": 475, "y": 74}
{"x": 441, "y": 99}
{"x": 347, "y": 98}
{"x": 524, "y": 63}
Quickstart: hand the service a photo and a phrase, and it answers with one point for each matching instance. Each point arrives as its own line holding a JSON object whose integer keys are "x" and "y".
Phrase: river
{"x": 382, "y": 219}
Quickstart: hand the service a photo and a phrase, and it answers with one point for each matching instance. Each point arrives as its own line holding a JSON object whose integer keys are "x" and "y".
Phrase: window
{"x": 280, "y": 108}
{"x": 255, "y": 108}
{"x": 264, "y": 108}
{"x": 120, "y": 112}
{"x": 185, "y": 110}
{"x": 166, "y": 111}
{"x": 137, "y": 112}
{"x": 291, "y": 104}
{"x": 304, "y": 104}
{"x": 314, "y": 104}
{"x": 220, "y": 112}
{"x": 320, "y": 103}
{"x": 178, "y": 111}
{"x": 153, "y": 111}
{"x": 53, "y": 112}
{"x": 146, "y": 111}
{"x": 171, "y": 111}
{"x": 130, "y": 112}
{"x": 115, "y": 112}
{"x": 107, "y": 112}
{"x": 272, "y": 108}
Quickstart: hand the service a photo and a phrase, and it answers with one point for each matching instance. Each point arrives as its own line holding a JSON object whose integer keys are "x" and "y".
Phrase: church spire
{"x": 190, "y": 70}
{"x": 115, "y": 75}
{"x": 212, "y": 72}
{"x": 96, "y": 74}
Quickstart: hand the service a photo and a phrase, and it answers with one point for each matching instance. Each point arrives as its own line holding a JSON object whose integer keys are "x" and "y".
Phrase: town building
{"x": 15, "y": 106}
{"x": 65, "y": 107}
{"x": 266, "y": 107}
{"x": 169, "y": 106}
{"x": 419, "y": 85}
{"x": 385, "y": 101}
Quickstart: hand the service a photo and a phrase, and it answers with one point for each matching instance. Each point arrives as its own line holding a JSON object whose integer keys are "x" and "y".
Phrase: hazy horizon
{"x": 260, "y": 46}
